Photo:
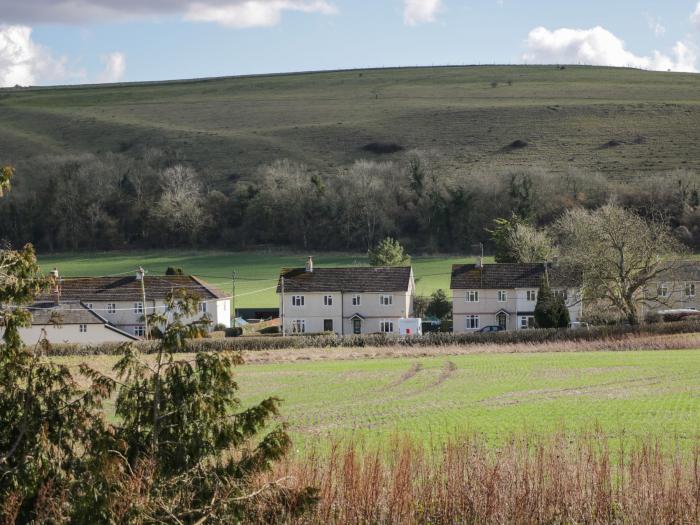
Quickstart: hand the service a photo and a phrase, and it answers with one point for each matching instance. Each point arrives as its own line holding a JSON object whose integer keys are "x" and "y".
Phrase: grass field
{"x": 257, "y": 271}
{"x": 228, "y": 127}
{"x": 632, "y": 394}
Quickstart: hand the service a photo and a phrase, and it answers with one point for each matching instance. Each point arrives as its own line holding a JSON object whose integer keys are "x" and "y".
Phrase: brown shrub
{"x": 527, "y": 482}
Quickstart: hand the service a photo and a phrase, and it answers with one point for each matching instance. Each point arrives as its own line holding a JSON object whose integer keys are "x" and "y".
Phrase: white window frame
{"x": 502, "y": 296}
{"x": 524, "y": 322}
{"x": 563, "y": 293}
{"x": 386, "y": 327}
{"x": 82, "y": 328}
{"x": 138, "y": 308}
{"x": 357, "y": 300}
{"x": 471, "y": 296}
{"x": 472, "y": 322}
{"x": 662, "y": 290}
{"x": 299, "y": 326}
{"x": 140, "y": 330}
{"x": 690, "y": 289}
{"x": 202, "y": 307}
{"x": 327, "y": 300}
{"x": 386, "y": 300}
{"x": 298, "y": 301}
{"x": 111, "y": 308}
{"x": 531, "y": 295}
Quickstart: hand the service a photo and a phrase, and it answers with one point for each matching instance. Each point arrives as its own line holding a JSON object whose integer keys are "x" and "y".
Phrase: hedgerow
{"x": 381, "y": 340}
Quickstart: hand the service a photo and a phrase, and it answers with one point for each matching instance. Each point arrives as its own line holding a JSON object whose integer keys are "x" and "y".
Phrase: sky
{"x": 49, "y": 42}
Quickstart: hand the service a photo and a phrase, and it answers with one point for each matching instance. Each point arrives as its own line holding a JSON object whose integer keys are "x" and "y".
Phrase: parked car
{"x": 491, "y": 328}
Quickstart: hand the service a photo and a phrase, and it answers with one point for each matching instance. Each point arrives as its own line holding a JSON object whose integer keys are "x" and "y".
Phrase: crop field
{"x": 257, "y": 271}
{"x": 631, "y": 395}
{"x": 616, "y": 121}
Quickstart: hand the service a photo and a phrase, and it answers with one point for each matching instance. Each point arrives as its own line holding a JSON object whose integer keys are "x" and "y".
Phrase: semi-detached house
{"x": 119, "y": 301}
{"x": 355, "y": 300}
{"x": 505, "y": 294}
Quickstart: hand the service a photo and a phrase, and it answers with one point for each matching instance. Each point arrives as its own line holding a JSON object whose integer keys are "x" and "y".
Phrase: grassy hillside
{"x": 630, "y": 394}
{"x": 619, "y": 121}
{"x": 257, "y": 271}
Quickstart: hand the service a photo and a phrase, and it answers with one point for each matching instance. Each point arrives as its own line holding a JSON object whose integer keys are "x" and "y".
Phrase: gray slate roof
{"x": 128, "y": 288}
{"x": 64, "y": 313}
{"x": 354, "y": 279}
{"x": 507, "y": 276}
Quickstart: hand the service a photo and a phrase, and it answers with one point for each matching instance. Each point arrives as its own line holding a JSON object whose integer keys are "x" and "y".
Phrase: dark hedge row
{"x": 374, "y": 340}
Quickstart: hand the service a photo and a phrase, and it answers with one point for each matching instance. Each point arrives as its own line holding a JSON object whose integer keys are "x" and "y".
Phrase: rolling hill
{"x": 616, "y": 121}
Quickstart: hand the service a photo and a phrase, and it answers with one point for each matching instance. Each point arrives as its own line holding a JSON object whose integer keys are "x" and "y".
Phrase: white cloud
{"x": 695, "y": 17}
{"x": 598, "y": 46}
{"x": 419, "y": 11}
{"x": 24, "y": 62}
{"x": 114, "y": 67}
{"x": 233, "y": 13}
{"x": 253, "y": 13}
{"x": 655, "y": 25}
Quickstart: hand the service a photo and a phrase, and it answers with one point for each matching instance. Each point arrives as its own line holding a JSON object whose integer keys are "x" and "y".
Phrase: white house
{"x": 356, "y": 300}
{"x": 70, "y": 323}
{"x": 120, "y": 300}
{"x": 505, "y": 294}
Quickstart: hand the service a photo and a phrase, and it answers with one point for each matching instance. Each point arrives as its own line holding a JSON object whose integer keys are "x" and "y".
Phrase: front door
{"x": 357, "y": 326}
{"x": 502, "y": 320}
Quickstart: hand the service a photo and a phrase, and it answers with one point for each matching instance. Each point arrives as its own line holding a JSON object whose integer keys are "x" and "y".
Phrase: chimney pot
{"x": 310, "y": 265}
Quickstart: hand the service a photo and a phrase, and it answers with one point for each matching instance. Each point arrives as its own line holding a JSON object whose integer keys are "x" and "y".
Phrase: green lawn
{"x": 257, "y": 271}
{"x": 635, "y": 394}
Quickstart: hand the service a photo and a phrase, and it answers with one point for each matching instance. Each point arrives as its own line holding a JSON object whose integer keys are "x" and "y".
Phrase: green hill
{"x": 617, "y": 121}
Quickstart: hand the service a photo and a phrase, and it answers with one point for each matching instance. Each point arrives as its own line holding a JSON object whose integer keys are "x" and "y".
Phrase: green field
{"x": 257, "y": 271}
{"x": 630, "y": 394}
{"x": 228, "y": 127}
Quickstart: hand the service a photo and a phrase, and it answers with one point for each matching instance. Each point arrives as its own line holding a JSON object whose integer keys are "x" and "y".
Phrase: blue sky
{"x": 80, "y": 41}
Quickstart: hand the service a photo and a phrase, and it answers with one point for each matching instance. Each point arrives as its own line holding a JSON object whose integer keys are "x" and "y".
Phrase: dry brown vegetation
{"x": 556, "y": 481}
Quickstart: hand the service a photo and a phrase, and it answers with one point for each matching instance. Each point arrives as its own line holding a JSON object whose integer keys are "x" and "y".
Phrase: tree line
{"x": 112, "y": 201}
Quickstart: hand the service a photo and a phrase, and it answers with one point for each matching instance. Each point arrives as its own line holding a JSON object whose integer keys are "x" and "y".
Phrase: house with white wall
{"x": 677, "y": 287}
{"x": 123, "y": 301}
{"x": 346, "y": 301}
{"x": 72, "y": 323}
{"x": 505, "y": 294}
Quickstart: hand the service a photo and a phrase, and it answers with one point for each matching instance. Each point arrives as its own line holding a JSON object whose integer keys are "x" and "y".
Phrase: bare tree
{"x": 528, "y": 244}
{"x": 181, "y": 201}
{"x": 619, "y": 253}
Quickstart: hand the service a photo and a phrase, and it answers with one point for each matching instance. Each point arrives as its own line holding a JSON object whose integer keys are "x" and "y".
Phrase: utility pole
{"x": 282, "y": 305}
{"x": 142, "y": 277}
{"x": 233, "y": 298}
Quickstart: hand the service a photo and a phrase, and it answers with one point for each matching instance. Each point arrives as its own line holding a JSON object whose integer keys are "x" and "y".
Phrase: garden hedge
{"x": 378, "y": 340}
